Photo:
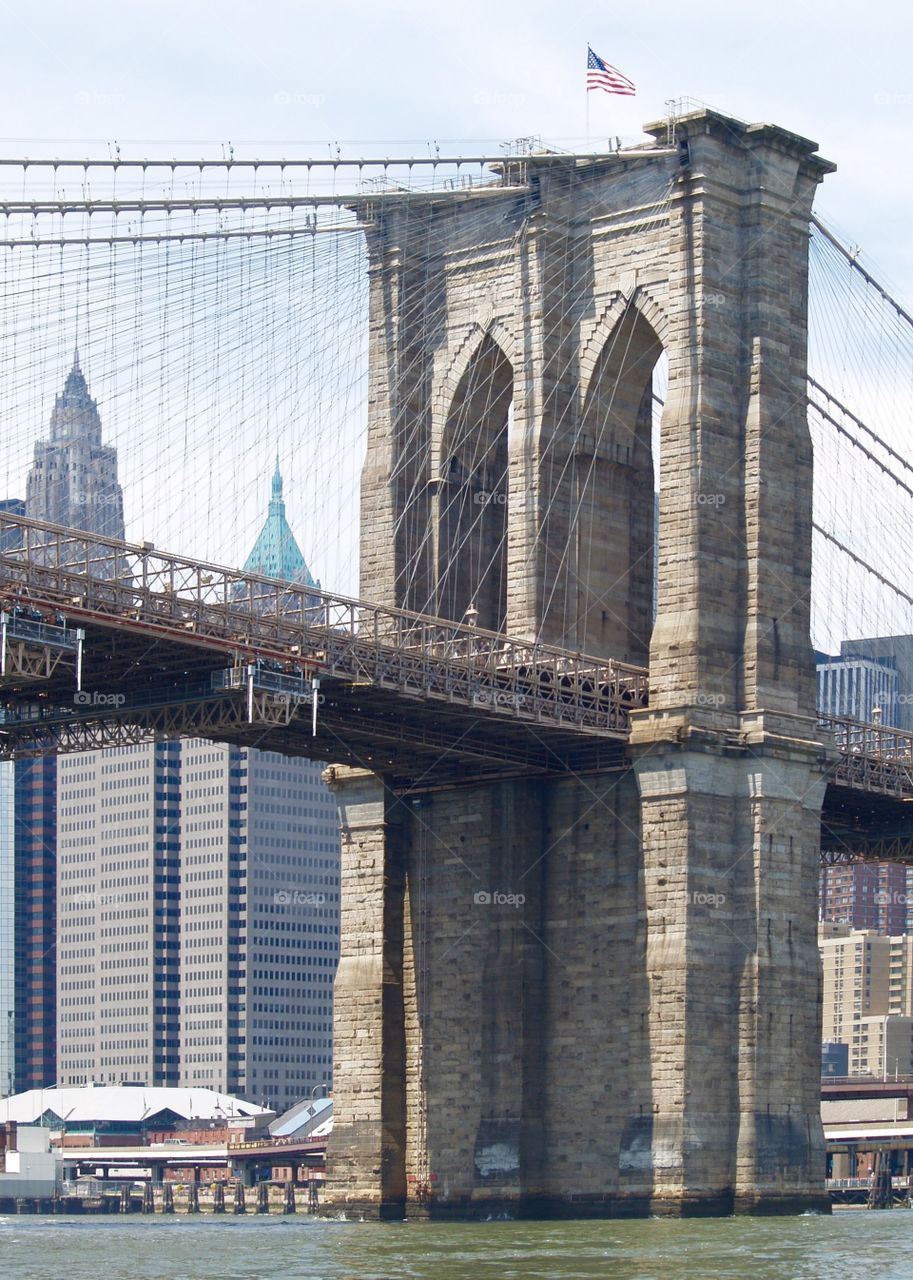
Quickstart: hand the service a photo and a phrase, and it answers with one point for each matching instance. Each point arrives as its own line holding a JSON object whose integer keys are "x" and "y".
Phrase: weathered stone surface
{"x": 632, "y": 1026}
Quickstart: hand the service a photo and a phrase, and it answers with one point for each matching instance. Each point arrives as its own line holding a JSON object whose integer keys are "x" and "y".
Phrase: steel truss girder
{"x": 205, "y": 717}
{"x": 25, "y": 663}
{"x": 887, "y": 849}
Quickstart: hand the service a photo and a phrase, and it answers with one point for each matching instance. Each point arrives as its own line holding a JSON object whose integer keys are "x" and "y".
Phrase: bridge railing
{"x": 298, "y": 624}
{"x": 875, "y": 757}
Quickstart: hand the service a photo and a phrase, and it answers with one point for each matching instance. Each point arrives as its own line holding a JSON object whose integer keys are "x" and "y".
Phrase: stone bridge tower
{"x": 596, "y": 995}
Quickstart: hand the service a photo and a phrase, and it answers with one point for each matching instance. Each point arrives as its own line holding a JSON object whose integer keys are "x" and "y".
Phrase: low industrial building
{"x": 866, "y": 1120}
{"x": 123, "y": 1115}
{"x": 29, "y": 1168}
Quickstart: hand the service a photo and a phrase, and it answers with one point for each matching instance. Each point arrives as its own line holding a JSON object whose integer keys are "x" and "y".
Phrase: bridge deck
{"x": 107, "y": 642}
{"x": 397, "y": 692}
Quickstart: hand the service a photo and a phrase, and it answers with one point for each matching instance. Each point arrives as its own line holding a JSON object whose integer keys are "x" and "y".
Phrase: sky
{"x": 278, "y": 78}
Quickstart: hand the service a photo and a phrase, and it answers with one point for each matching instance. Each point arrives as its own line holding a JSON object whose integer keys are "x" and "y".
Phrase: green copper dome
{"x": 276, "y": 554}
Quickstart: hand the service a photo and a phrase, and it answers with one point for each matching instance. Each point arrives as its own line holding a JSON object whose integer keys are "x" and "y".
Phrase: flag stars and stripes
{"x": 599, "y": 75}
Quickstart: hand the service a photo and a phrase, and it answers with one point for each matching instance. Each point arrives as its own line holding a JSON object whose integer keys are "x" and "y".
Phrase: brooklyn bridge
{"x": 584, "y": 787}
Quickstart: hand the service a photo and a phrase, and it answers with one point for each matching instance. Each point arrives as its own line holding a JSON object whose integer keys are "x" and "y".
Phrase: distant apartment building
{"x": 866, "y": 895}
{"x": 867, "y": 997}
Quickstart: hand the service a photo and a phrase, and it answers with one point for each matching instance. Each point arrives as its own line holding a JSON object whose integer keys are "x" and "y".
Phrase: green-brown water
{"x": 843, "y": 1247}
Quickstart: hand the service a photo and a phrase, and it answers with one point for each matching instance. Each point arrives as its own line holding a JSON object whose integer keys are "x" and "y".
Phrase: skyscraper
{"x": 35, "y": 927}
{"x": 73, "y": 480}
{"x": 8, "y": 881}
{"x": 198, "y": 906}
{"x": 7, "y": 929}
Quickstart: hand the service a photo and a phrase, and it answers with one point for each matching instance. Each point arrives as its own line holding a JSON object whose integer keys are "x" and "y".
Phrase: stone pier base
{"x": 509, "y": 1037}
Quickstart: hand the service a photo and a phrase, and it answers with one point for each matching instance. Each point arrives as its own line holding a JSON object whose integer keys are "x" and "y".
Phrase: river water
{"x": 843, "y": 1247}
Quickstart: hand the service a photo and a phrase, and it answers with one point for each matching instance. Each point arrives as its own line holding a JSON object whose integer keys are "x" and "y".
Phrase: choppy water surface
{"x": 846, "y": 1246}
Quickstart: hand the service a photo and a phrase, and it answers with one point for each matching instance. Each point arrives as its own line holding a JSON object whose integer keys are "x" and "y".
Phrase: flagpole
{"x": 587, "y": 91}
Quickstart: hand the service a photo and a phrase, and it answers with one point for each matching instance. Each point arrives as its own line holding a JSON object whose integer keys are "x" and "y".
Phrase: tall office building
{"x": 27, "y": 910}
{"x": 118, "y": 869}
{"x": 198, "y": 922}
{"x": 859, "y": 686}
{"x": 8, "y": 881}
{"x": 259, "y": 923}
{"x": 7, "y": 930}
{"x": 259, "y": 899}
{"x": 894, "y": 653}
{"x": 35, "y": 926}
{"x": 27, "y": 895}
{"x": 73, "y": 480}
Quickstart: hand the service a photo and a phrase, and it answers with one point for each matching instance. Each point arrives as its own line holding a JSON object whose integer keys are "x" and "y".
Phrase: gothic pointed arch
{"x": 471, "y": 487}
{"x": 613, "y": 492}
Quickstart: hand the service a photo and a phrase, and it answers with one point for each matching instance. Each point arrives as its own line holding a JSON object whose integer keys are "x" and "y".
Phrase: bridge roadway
{"x": 105, "y": 643}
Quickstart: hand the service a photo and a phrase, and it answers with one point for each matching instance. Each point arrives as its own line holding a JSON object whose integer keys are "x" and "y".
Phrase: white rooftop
{"x": 124, "y": 1104}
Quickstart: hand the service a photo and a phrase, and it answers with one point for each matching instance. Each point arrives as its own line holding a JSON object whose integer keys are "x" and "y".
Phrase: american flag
{"x": 599, "y": 75}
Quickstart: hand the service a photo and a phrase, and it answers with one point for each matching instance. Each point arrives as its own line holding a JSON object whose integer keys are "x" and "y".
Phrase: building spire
{"x": 276, "y": 553}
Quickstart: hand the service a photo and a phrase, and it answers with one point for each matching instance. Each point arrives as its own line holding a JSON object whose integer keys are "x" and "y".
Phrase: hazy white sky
{"x": 298, "y": 72}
